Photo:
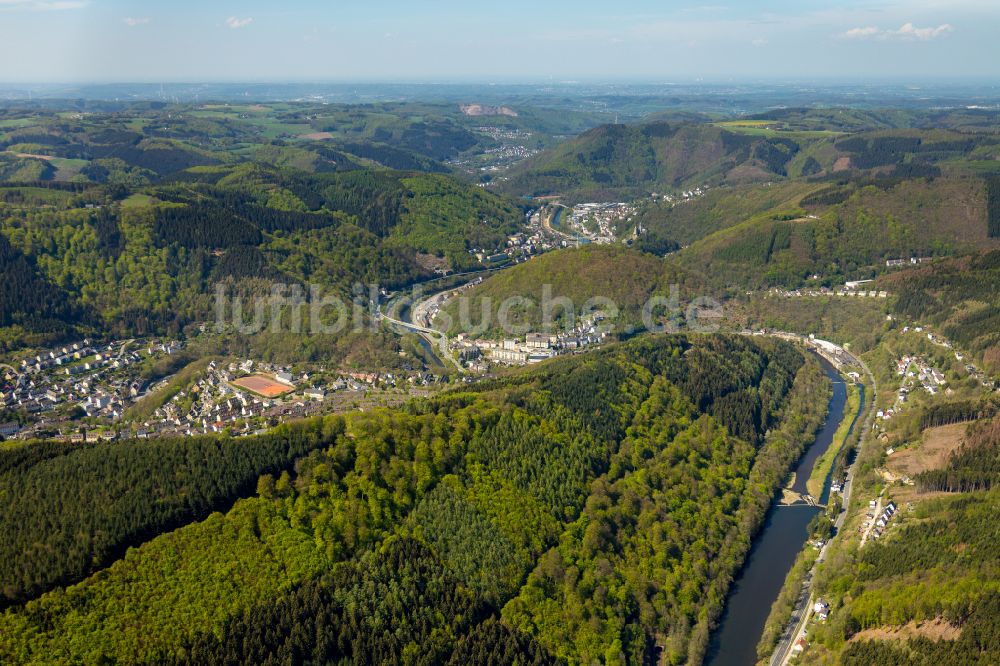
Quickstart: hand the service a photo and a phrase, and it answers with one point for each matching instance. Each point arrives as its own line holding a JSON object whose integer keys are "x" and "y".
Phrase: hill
{"x": 435, "y": 516}
{"x": 146, "y": 259}
{"x": 625, "y": 277}
{"x": 629, "y": 160}
{"x": 846, "y": 232}
{"x": 960, "y": 297}
{"x": 139, "y": 143}
{"x": 683, "y": 222}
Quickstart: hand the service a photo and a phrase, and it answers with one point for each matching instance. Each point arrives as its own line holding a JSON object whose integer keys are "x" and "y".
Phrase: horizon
{"x": 86, "y": 42}
{"x": 816, "y": 81}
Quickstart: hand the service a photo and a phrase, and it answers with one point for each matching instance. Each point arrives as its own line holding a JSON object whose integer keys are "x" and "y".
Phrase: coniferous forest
{"x": 522, "y": 520}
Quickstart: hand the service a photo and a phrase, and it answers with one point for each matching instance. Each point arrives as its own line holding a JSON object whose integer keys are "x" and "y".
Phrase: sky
{"x": 77, "y": 41}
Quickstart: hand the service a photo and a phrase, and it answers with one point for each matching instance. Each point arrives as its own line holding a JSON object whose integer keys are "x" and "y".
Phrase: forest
{"x": 146, "y": 263}
{"x": 627, "y": 160}
{"x": 942, "y": 565}
{"x": 78, "y": 508}
{"x": 488, "y": 522}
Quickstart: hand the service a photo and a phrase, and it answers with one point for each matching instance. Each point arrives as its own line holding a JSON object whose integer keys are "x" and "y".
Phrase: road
{"x": 871, "y": 524}
{"x": 431, "y": 335}
{"x": 803, "y": 605}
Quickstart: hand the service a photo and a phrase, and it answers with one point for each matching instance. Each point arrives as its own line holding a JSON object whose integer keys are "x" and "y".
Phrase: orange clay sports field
{"x": 262, "y": 385}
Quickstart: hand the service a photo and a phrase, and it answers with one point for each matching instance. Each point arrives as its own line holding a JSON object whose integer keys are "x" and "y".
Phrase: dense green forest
{"x": 27, "y": 300}
{"x": 343, "y": 617}
{"x": 462, "y": 520}
{"x": 78, "y": 508}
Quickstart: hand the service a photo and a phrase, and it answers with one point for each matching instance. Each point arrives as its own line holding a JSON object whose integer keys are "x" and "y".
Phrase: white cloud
{"x": 907, "y": 31}
{"x": 132, "y": 22}
{"x": 911, "y": 31}
{"x": 236, "y": 23}
{"x": 861, "y": 33}
{"x": 41, "y": 5}
{"x": 759, "y": 42}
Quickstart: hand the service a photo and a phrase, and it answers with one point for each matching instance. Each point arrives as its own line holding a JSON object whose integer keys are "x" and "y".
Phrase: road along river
{"x": 773, "y": 552}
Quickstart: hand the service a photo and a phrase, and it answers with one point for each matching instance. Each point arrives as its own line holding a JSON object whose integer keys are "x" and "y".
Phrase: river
{"x": 773, "y": 552}
{"x": 436, "y": 362}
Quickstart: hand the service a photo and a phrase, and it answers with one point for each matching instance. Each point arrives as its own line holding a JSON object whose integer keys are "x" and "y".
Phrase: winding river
{"x": 775, "y": 547}
{"x": 773, "y": 552}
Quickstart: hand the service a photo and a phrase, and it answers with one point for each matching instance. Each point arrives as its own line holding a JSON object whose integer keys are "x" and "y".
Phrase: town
{"x": 534, "y": 239}
{"x": 534, "y": 347}
{"x": 600, "y": 222}
{"x": 511, "y": 148}
{"x": 87, "y": 391}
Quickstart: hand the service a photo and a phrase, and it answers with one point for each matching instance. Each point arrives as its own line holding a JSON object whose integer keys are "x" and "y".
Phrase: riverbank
{"x": 788, "y": 622}
{"x": 792, "y": 602}
{"x": 775, "y": 546}
{"x": 820, "y": 475}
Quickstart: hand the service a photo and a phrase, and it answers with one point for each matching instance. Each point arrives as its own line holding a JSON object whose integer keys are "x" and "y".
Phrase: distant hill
{"x": 146, "y": 259}
{"x": 629, "y": 161}
{"x": 145, "y": 142}
{"x": 846, "y": 231}
{"x": 637, "y": 159}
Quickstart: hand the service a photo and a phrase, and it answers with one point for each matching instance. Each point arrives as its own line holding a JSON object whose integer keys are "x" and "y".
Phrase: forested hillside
{"x": 148, "y": 262}
{"x": 139, "y": 143}
{"x": 940, "y": 569}
{"x": 590, "y": 277}
{"x": 623, "y": 160}
{"x": 844, "y": 232}
{"x": 663, "y": 155}
{"x": 684, "y": 222}
{"x": 960, "y": 296}
{"x": 95, "y": 501}
{"x": 500, "y": 520}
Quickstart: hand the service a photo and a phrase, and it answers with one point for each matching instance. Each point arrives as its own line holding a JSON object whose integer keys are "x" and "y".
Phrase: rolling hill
{"x": 623, "y": 160}
{"x": 459, "y": 520}
{"x": 846, "y": 231}
{"x": 628, "y": 278}
{"x": 147, "y": 259}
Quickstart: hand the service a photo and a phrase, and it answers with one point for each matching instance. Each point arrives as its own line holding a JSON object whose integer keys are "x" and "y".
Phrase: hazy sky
{"x": 508, "y": 40}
